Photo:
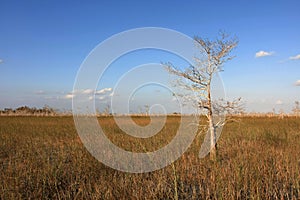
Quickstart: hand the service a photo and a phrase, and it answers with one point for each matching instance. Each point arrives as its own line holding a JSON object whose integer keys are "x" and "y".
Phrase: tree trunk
{"x": 213, "y": 141}
{"x": 211, "y": 126}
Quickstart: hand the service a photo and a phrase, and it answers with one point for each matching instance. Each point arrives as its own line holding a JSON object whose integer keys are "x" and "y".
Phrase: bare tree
{"x": 198, "y": 79}
{"x": 147, "y": 108}
{"x": 106, "y": 110}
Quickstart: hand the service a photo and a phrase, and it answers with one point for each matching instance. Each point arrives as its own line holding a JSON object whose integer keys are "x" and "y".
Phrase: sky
{"x": 44, "y": 43}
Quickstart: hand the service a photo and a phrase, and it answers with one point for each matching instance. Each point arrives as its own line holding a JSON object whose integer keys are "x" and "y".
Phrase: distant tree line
{"x": 48, "y": 111}
{"x": 25, "y": 110}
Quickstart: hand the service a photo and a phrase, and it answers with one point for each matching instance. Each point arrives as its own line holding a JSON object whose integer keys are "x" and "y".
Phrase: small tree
{"x": 198, "y": 79}
{"x": 147, "y": 109}
{"x": 106, "y": 110}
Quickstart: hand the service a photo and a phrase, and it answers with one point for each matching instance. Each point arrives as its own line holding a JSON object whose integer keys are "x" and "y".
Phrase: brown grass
{"x": 43, "y": 158}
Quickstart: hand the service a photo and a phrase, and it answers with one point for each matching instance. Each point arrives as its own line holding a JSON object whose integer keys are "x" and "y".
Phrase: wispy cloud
{"x": 279, "y": 102}
{"x": 91, "y": 97}
{"x": 90, "y": 92}
{"x": 40, "y": 92}
{"x": 111, "y": 94}
{"x": 103, "y": 91}
{"x": 87, "y": 91}
{"x": 1, "y": 61}
{"x": 263, "y": 54}
{"x": 102, "y": 97}
{"x": 68, "y": 96}
{"x": 297, "y": 83}
{"x": 52, "y": 97}
{"x": 296, "y": 57}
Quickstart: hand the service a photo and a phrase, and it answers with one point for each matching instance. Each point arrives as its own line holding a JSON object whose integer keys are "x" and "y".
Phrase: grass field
{"x": 43, "y": 158}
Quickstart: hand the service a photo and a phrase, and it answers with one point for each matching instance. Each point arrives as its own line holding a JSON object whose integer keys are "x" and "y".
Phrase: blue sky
{"x": 43, "y": 43}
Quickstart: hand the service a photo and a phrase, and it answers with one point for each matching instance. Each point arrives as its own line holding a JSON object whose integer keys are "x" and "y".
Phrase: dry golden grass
{"x": 43, "y": 158}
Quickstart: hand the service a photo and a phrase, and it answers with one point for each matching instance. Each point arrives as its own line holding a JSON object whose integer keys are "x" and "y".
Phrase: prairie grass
{"x": 43, "y": 158}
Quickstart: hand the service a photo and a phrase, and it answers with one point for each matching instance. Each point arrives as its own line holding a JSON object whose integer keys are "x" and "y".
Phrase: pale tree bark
{"x": 199, "y": 80}
{"x": 212, "y": 128}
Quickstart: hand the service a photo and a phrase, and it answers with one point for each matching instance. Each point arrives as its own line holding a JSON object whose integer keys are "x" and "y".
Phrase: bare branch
{"x": 214, "y": 54}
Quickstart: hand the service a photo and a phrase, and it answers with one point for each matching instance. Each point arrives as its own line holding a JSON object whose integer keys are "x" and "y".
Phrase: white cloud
{"x": 296, "y": 57}
{"x": 297, "y": 83}
{"x": 1, "y": 61}
{"x": 103, "y": 91}
{"x": 69, "y": 96}
{"x": 263, "y": 53}
{"x": 87, "y": 91}
{"x": 279, "y": 102}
